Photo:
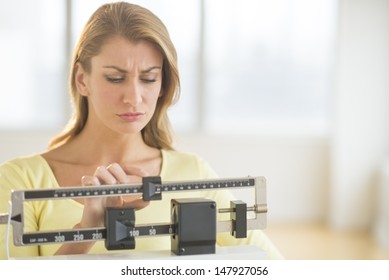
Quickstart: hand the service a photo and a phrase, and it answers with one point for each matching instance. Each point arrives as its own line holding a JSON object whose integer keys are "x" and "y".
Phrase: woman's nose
{"x": 132, "y": 94}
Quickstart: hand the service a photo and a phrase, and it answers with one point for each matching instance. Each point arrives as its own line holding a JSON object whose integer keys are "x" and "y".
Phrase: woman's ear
{"x": 80, "y": 77}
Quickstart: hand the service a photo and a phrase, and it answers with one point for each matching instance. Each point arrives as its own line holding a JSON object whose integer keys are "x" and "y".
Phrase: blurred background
{"x": 293, "y": 90}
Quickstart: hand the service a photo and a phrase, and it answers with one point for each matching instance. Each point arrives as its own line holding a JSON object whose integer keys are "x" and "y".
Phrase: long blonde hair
{"x": 136, "y": 24}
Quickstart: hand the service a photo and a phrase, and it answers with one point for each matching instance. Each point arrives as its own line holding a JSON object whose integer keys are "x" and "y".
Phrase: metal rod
{"x": 256, "y": 208}
{"x": 230, "y": 210}
{"x": 4, "y": 218}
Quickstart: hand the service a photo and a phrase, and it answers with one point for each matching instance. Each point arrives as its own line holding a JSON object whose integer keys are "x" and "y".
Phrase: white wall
{"x": 360, "y": 141}
{"x": 20, "y": 143}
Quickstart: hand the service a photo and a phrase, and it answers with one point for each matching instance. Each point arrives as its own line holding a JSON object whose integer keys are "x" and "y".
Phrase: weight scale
{"x": 193, "y": 224}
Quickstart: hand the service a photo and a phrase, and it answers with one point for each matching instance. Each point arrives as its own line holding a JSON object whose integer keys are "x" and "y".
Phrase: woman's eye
{"x": 149, "y": 80}
{"x": 114, "y": 79}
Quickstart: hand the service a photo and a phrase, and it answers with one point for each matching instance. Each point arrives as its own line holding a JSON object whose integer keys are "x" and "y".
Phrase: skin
{"x": 122, "y": 89}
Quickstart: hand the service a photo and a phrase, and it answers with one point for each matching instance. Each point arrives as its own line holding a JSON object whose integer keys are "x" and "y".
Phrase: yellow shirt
{"x": 29, "y": 173}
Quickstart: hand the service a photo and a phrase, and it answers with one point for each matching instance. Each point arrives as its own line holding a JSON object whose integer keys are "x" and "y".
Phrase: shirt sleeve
{"x": 12, "y": 178}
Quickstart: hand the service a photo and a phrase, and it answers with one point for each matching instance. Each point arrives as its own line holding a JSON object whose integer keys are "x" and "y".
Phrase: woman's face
{"x": 123, "y": 85}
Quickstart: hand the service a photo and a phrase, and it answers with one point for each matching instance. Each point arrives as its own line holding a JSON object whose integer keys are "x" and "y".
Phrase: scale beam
{"x": 152, "y": 189}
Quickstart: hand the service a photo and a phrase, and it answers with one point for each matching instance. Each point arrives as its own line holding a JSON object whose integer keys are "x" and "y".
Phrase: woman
{"x": 123, "y": 79}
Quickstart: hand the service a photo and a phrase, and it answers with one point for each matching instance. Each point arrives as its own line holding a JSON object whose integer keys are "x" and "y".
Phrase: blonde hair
{"x": 136, "y": 24}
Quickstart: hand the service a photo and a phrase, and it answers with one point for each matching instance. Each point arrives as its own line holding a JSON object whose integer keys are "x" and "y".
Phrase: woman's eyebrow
{"x": 151, "y": 69}
{"x": 125, "y": 71}
{"x": 116, "y": 68}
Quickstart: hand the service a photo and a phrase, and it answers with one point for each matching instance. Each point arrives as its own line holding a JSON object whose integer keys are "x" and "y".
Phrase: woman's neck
{"x": 106, "y": 147}
{"x": 91, "y": 148}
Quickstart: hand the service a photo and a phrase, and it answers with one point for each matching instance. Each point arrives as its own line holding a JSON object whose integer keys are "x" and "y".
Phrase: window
{"x": 32, "y": 52}
{"x": 268, "y": 64}
{"x": 246, "y": 65}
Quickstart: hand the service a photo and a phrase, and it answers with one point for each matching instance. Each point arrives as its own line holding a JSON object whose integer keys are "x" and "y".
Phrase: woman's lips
{"x": 131, "y": 117}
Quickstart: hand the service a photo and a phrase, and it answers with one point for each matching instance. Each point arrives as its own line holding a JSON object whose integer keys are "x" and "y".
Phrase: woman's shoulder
{"x": 180, "y": 155}
{"x": 24, "y": 162}
{"x": 26, "y": 170}
{"x": 175, "y": 157}
{"x": 179, "y": 165}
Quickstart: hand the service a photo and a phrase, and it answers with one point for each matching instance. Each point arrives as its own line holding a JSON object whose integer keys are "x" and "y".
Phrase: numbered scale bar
{"x": 83, "y": 235}
{"x": 155, "y": 182}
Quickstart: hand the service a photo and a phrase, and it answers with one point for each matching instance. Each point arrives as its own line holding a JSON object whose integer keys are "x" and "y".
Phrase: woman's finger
{"x": 137, "y": 203}
{"x": 135, "y": 171}
{"x": 90, "y": 181}
{"x": 105, "y": 177}
{"x": 117, "y": 171}
{"x": 115, "y": 201}
{"x": 127, "y": 175}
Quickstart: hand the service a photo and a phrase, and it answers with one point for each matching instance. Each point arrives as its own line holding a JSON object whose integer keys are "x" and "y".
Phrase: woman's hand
{"x": 94, "y": 208}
